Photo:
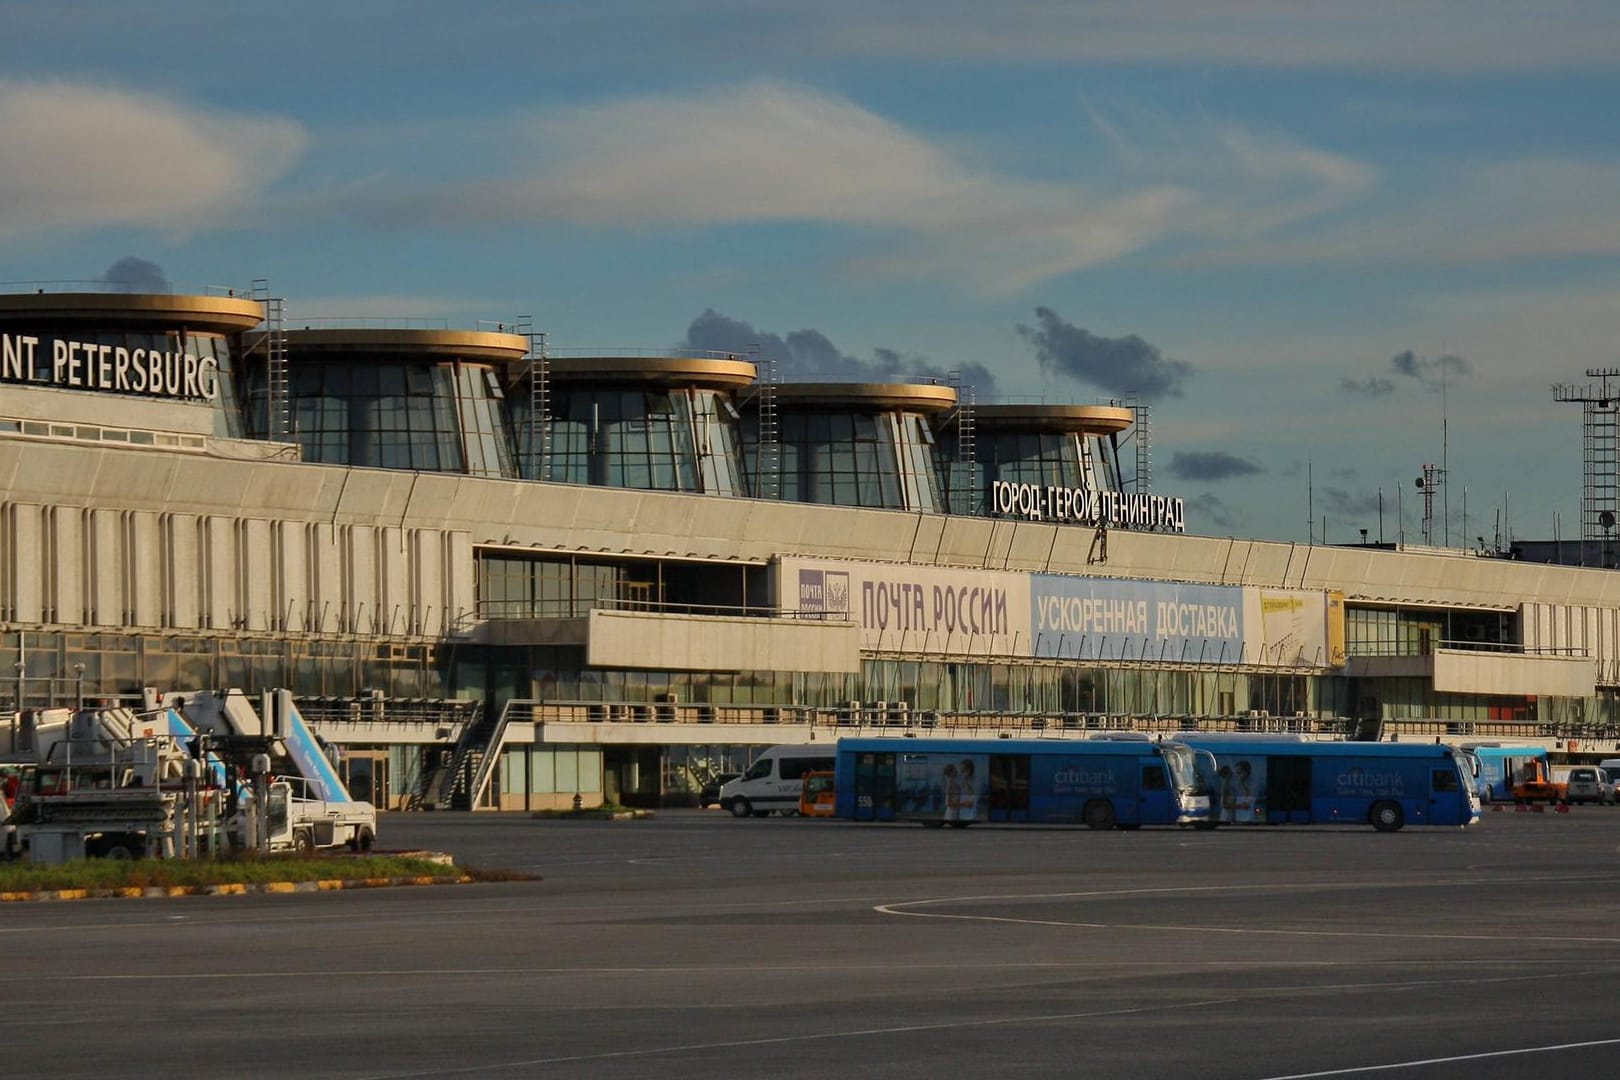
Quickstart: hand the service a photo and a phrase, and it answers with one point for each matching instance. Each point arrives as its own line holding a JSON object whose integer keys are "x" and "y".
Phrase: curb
{"x": 229, "y": 888}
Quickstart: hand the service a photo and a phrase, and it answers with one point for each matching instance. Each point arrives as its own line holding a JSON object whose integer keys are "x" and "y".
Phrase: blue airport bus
{"x": 1500, "y": 765}
{"x": 959, "y": 782}
{"x": 1273, "y": 781}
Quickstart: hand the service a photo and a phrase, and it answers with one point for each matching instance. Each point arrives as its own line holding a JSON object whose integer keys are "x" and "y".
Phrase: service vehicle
{"x": 1533, "y": 782}
{"x": 774, "y": 781}
{"x": 817, "y": 799}
{"x": 120, "y": 783}
{"x": 1589, "y": 784}
{"x": 709, "y": 793}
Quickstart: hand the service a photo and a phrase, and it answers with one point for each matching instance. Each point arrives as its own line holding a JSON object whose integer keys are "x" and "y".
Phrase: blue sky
{"x": 1309, "y": 235}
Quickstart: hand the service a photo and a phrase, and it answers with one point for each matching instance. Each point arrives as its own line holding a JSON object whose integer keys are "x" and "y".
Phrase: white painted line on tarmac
{"x": 898, "y": 908}
{"x": 1422, "y": 1062}
{"x": 779, "y": 1040}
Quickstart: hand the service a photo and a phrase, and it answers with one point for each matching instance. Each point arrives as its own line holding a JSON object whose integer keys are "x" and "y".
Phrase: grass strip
{"x": 142, "y": 874}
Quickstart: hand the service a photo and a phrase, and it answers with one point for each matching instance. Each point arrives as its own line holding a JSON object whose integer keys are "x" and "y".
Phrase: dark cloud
{"x": 1121, "y": 366}
{"x": 136, "y": 275}
{"x": 1372, "y": 386}
{"x": 1431, "y": 373}
{"x": 1210, "y": 465}
{"x": 1347, "y": 505}
{"x": 1213, "y": 510}
{"x": 808, "y": 355}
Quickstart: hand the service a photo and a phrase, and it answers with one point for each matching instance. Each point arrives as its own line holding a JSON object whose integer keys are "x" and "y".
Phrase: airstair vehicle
{"x": 191, "y": 775}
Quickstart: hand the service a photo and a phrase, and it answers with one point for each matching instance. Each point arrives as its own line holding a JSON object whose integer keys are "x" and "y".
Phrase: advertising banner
{"x": 1293, "y": 627}
{"x": 989, "y": 613}
{"x": 913, "y": 608}
{"x": 1108, "y": 619}
{"x": 951, "y": 788}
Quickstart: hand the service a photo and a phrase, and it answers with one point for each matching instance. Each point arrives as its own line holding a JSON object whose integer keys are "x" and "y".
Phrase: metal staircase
{"x": 462, "y": 783}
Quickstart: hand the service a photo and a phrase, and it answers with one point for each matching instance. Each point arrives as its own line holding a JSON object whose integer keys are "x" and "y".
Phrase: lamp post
{"x": 78, "y": 684}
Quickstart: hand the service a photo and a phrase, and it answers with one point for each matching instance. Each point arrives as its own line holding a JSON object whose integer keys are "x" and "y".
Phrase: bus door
{"x": 1155, "y": 802}
{"x": 1448, "y": 802}
{"x": 1288, "y": 790}
{"x": 1009, "y": 787}
{"x": 874, "y": 786}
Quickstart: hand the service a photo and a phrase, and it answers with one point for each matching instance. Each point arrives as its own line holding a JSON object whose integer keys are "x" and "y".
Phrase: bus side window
{"x": 1445, "y": 780}
{"x": 1153, "y": 778}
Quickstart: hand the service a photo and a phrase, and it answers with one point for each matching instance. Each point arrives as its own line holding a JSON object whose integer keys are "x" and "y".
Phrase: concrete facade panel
{"x": 712, "y": 643}
{"x": 182, "y": 573}
{"x": 106, "y": 586}
{"x": 255, "y": 567}
{"x": 1493, "y": 673}
{"x": 25, "y": 524}
{"x": 67, "y": 566}
{"x": 143, "y": 561}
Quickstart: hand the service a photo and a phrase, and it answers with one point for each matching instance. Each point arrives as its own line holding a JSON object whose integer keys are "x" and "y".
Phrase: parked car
{"x": 710, "y": 795}
{"x": 1590, "y": 784}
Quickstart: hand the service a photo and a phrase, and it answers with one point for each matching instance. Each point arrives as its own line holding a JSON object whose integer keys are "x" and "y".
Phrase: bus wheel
{"x": 1098, "y": 814}
{"x": 960, "y": 824}
{"x": 1387, "y": 816}
{"x": 933, "y": 824}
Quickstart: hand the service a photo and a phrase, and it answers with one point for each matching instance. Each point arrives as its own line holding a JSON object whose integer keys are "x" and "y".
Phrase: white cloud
{"x": 79, "y": 156}
{"x": 774, "y": 153}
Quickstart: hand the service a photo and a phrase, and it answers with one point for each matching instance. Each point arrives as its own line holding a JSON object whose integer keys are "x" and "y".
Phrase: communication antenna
{"x": 1428, "y": 484}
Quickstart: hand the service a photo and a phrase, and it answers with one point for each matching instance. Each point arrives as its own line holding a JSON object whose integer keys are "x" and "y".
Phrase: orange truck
{"x": 1534, "y": 783}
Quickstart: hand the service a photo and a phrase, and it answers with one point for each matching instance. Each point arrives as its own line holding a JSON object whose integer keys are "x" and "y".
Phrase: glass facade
{"x": 648, "y": 438}
{"x": 875, "y": 459}
{"x": 407, "y": 413}
{"x": 1420, "y": 631}
{"x": 527, "y": 588}
{"x": 1042, "y": 458}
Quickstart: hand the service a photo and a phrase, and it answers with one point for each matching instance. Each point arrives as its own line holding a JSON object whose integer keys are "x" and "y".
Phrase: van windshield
{"x": 758, "y": 770}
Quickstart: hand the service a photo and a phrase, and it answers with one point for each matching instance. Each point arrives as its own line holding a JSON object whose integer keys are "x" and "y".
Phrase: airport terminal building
{"x": 497, "y": 572}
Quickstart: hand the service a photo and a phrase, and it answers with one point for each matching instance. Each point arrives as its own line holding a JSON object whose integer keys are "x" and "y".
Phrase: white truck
{"x": 297, "y": 822}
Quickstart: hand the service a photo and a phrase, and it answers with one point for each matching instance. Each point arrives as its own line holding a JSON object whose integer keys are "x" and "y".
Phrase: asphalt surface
{"x": 696, "y": 945}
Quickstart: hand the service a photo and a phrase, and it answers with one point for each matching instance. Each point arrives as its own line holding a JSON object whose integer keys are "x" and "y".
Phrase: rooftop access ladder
{"x": 1141, "y": 439}
{"x": 276, "y": 394}
{"x": 537, "y": 449}
{"x": 766, "y": 471}
{"x": 962, "y": 496}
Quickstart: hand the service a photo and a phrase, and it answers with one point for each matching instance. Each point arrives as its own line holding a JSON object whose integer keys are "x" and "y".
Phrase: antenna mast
{"x": 1428, "y": 484}
{"x": 1600, "y": 454}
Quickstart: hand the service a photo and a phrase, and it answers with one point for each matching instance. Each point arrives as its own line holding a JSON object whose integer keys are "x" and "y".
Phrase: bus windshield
{"x": 1183, "y": 768}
